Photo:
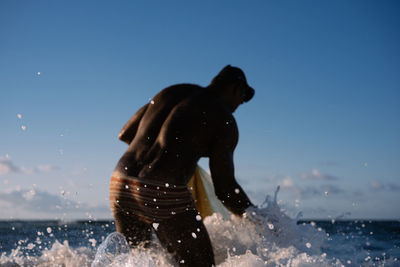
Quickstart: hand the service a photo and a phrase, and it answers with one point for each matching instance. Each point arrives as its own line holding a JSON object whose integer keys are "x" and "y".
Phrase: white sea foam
{"x": 58, "y": 255}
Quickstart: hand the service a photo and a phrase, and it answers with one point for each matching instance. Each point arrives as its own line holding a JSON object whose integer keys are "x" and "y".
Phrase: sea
{"x": 268, "y": 238}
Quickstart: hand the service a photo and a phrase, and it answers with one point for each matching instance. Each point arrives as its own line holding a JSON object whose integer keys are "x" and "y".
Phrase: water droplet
{"x": 155, "y": 226}
{"x": 93, "y": 242}
{"x": 49, "y": 230}
{"x": 308, "y": 245}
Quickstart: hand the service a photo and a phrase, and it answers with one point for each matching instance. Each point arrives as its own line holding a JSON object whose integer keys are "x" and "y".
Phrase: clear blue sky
{"x": 324, "y": 123}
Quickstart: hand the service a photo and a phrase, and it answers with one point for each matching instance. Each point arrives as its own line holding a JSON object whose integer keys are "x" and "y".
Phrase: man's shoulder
{"x": 175, "y": 94}
{"x": 182, "y": 88}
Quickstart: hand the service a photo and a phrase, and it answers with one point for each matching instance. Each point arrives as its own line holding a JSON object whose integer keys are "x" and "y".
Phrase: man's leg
{"x": 134, "y": 230}
{"x": 186, "y": 236}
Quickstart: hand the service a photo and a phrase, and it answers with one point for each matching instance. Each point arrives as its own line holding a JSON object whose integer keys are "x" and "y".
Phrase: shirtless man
{"x": 166, "y": 138}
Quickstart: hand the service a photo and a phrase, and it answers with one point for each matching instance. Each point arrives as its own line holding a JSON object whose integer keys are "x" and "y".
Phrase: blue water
{"x": 353, "y": 243}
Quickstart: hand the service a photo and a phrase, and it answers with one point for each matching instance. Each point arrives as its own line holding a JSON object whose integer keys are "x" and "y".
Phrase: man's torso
{"x": 182, "y": 124}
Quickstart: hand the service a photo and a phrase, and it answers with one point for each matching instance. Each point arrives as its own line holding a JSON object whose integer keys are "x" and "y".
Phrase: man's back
{"x": 180, "y": 124}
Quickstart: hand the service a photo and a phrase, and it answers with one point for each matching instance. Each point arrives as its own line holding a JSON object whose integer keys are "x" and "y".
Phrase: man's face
{"x": 244, "y": 91}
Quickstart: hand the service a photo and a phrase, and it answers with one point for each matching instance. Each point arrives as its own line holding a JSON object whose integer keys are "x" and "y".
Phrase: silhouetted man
{"x": 166, "y": 139}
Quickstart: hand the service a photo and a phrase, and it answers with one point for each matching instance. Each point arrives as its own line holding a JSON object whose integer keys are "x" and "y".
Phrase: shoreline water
{"x": 350, "y": 242}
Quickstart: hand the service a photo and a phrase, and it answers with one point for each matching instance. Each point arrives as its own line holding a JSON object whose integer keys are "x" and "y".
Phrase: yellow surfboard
{"x": 204, "y": 196}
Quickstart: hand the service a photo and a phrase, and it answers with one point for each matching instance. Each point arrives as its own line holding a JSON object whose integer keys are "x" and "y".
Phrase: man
{"x": 166, "y": 139}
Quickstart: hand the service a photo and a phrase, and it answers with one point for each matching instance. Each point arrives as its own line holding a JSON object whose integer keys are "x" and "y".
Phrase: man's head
{"x": 233, "y": 81}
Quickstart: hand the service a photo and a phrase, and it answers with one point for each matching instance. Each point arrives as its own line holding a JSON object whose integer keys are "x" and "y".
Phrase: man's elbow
{"x": 123, "y": 138}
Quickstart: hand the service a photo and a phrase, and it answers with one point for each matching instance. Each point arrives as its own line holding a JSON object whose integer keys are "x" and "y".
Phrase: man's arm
{"x": 226, "y": 188}
{"x": 128, "y": 131}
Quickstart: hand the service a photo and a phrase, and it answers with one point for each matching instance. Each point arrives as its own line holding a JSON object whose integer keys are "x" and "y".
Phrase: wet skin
{"x": 167, "y": 137}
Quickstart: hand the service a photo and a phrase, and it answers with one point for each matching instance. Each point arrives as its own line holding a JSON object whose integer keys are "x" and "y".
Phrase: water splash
{"x": 113, "y": 247}
{"x": 273, "y": 239}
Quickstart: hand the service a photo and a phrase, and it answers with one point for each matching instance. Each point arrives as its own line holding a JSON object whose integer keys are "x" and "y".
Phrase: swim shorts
{"x": 149, "y": 200}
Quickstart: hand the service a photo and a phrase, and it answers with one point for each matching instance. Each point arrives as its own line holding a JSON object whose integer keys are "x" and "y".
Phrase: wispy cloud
{"x": 358, "y": 193}
{"x": 46, "y": 204}
{"x": 317, "y": 175}
{"x": 289, "y": 185}
{"x": 312, "y": 191}
{"x": 376, "y": 185}
{"x": 45, "y": 168}
{"x": 8, "y": 167}
{"x": 332, "y": 189}
{"x": 329, "y": 163}
{"x": 286, "y": 183}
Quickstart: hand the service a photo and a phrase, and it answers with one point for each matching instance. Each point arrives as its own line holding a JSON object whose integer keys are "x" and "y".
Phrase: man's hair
{"x": 228, "y": 76}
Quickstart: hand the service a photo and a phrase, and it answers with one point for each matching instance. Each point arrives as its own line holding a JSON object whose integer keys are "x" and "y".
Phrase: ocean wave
{"x": 269, "y": 238}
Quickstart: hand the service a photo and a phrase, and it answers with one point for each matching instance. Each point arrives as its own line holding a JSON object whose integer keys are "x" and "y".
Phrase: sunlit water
{"x": 276, "y": 240}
